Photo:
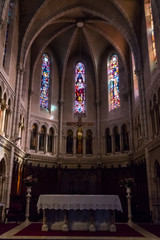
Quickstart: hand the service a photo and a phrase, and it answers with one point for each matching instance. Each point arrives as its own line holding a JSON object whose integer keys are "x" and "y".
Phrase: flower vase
{"x": 128, "y": 196}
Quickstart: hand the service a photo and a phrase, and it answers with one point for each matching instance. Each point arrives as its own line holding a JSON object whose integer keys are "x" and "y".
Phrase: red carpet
{"x": 34, "y": 229}
{"x": 155, "y": 229}
{"x": 6, "y": 227}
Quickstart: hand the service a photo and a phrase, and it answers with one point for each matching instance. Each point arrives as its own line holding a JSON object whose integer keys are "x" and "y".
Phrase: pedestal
{"x": 128, "y": 196}
{"x": 28, "y": 196}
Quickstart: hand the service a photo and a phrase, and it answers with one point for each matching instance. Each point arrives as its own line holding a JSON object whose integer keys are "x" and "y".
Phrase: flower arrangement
{"x": 127, "y": 182}
{"x": 29, "y": 180}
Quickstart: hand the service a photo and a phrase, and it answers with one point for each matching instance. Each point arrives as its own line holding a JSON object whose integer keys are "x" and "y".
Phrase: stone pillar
{"x": 60, "y": 142}
{"x": 54, "y": 145}
{"x": 113, "y": 143}
{"x": 10, "y": 170}
{"x": 8, "y": 132}
{"x": 2, "y": 40}
{"x": 84, "y": 145}
{"x": 149, "y": 179}
{"x": 98, "y": 128}
{"x": 74, "y": 145}
{"x": 3, "y": 114}
{"x": 45, "y": 143}
{"x": 37, "y": 142}
{"x": 142, "y": 103}
{"x": 121, "y": 142}
{"x": 65, "y": 144}
{"x": 103, "y": 146}
{"x": 18, "y": 91}
{"x": 94, "y": 144}
{"x": 28, "y": 130}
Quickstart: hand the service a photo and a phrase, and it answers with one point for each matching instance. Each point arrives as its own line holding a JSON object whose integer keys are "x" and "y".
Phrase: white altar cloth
{"x": 68, "y": 202}
{"x": 94, "y": 205}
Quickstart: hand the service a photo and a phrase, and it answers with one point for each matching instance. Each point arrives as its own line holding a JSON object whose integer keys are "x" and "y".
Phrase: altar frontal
{"x": 79, "y": 212}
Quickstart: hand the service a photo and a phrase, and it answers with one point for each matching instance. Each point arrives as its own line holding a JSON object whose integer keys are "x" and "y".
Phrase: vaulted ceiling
{"x": 73, "y": 27}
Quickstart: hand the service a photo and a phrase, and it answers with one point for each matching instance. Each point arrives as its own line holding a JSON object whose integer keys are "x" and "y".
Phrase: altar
{"x": 79, "y": 212}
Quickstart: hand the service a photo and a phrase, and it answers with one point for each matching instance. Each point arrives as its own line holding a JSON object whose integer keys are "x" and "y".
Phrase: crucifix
{"x": 79, "y": 125}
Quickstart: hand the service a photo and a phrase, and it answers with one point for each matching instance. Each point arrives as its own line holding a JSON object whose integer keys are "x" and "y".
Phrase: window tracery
{"x": 79, "y": 102}
{"x": 45, "y": 79}
{"x": 113, "y": 83}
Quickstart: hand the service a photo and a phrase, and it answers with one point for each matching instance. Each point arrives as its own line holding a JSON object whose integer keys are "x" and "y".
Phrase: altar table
{"x": 69, "y": 205}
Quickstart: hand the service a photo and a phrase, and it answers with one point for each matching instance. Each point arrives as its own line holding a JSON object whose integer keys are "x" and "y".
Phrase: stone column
{"x": 121, "y": 142}
{"x": 10, "y": 170}
{"x": 28, "y": 130}
{"x": 142, "y": 103}
{"x": 8, "y": 132}
{"x": 46, "y": 143}
{"x": 3, "y": 114}
{"x": 1, "y": 48}
{"x": 60, "y": 142}
{"x": 94, "y": 144}
{"x": 65, "y": 144}
{"x": 18, "y": 91}
{"x": 54, "y": 145}
{"x": 104, "y": 149}
{"x": 74, "y": 145}
{"x": 149, "y": 179}
{"x": 98, "y": 128}
{"x": 84, "y": 145}
{"x": 113, "y": 143}
{"x": 37, "y": 142}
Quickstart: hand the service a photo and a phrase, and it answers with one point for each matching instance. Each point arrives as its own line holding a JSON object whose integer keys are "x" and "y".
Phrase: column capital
{"x": 61, "y": 102}
{"x": 3, "y": 104}
{"x": 20, "y": 70}
{"x": 139, "y": 71}
{"x": 1, "y": 24}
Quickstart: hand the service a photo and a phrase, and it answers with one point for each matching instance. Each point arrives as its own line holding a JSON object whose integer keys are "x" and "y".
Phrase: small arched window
{"x": 79, "y": 102}
{"x": 42, "y": 138}
{"x": 108, "y": 141}
{"x": 33, "y": 140}
{"x": 116, "y": 139}
{"x": 69, "y": 147}
{"x": 89, "y": 147}
{"x": 125, "y": 138}
{"x": 50, "y": 140}
{"x": 113, "y": 83}
{"x": 45, "y": 79}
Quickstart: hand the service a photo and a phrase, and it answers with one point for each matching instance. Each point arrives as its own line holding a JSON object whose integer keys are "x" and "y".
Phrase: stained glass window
{"x": 135, "y": 79}
{"x": 44, "y": 91}
{"x": 7, "y": 31}
{"x": 113, "y": 83}
{"x": 150, "y": 30}
{"x": 80, "y": 88}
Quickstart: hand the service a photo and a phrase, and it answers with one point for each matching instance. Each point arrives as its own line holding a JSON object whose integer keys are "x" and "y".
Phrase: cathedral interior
{"x": 80, "y": 101}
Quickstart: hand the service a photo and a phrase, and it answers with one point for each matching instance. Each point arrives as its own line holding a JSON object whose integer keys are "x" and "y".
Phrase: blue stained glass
{"x": 44, "y": 90}
{"x": 80, "y": 88}
{"x": 113, "y": 83}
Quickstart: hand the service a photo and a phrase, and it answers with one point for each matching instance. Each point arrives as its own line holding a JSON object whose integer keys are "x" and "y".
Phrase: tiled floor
{"x": 10, "y": 235}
